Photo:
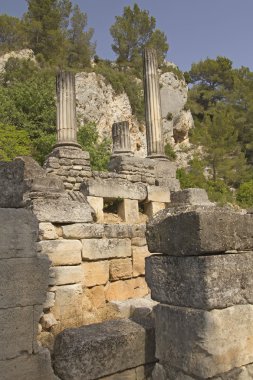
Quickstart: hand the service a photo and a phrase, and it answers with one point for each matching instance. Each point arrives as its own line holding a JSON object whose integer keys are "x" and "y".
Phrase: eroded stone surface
{"x": 195, "y": 230}
{"x": 95, "y": 249}
{"x": 204, "y": 343}
{"x": 203, "y": 282}
{"x": 103, "y": 349}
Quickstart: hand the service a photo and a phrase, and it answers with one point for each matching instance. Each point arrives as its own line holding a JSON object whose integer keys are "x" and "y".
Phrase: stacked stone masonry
{"x": 202, "y": 279}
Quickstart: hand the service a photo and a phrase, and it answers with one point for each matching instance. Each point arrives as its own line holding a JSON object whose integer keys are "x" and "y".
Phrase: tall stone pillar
{"x": 121, "y": 138}
{"x": 66, "y": 109}
{"x": 154, "y": 132}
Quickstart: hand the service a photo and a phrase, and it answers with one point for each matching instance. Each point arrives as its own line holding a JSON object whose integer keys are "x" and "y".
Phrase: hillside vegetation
{"x": 220, "y": 97}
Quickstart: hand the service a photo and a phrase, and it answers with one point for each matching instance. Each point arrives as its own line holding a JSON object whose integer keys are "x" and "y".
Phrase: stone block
{"x": 118, "y": 231}
{"x": 139, "y": 241}
{"x": 95, "y": 273}
{"x": 97, "y": 296}
{"x": 18, "y": 231}
{"x": 48, "y": 320}
{"x": 202, "y": 282}
{"x": 158, "y": 194}
{"x": 82, "y": 231}
{"x": 204, "y": 343}
{"x": 11, "y": 184}
{"x": 151, "y": 208}
{"x": 47, "y": 231}
{"x": 69, "y": 152}
{"x": 139, "y": 254}
{"x": 197, "y": 230}
{"x": 62, "y": 252}
{"x": 68, "y": 305}
{"x": 140, "y": 287}
{"x": 58, "y": 211}
{"x": 119, "y": 290}
{"x": 113, "y": 188}
{"x": 95, "y": 249}
{"x": 16, "y": 332}
{"x": 98, "y": 350}
{"x": 23, "y": 282}
{"x": 28, "y": 367}
{"x": 97, "y": 203}
{"x": 120, "y": 269}
{"x": 128, "y": 211}
{"x": 190, "y": 196}
{"x": 50, "y": 299}
{"x": 64, "y": 275}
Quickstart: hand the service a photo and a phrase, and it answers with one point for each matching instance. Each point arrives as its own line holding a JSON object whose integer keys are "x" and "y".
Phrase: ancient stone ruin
{"x": 73, "y": 248}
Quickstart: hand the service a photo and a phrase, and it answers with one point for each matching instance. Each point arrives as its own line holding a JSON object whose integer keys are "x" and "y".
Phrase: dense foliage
{"x": 221, "y": 101}
{"x": 134, "y": 30}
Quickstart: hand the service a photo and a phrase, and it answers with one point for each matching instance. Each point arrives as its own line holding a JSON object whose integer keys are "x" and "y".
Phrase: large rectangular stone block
{"x": 66, "y": 275}
{"x": 94, "y": 351}
{"x": 113, "y": 188}
{"x": 58, "y": 211}
{"x": 11, "y": 183}
{"x": 196, "y": 230}
{"x": 62, "y": 252}
{"x": 204, "y": 343}
{"x": 23, "y": 282}
{"x": 95, "y": 249}
{"x": 28, "y": 367}
{"x": 158, "y": 194}
{"x": 18, "y": 232}
{"x": 82, "y": 230}
{"x": 96, "y": 273}
{"x": 202, "y": 282}
{"x": 16, "y": 331}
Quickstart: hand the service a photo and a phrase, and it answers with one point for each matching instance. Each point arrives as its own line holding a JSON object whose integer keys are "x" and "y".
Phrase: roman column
{"x": 154, "y": 130}
{"x": 66, "y": 109}
{"x": 121, "y": 138}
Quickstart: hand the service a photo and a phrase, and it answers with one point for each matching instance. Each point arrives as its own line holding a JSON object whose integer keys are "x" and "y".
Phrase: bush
{"x": 244, "y": 194}
{"x": 169, "y": 152}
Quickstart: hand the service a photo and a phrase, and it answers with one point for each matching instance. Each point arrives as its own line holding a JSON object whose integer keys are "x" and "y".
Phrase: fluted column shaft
{"x": 66, "y": 109}
{"x": 154, "y": 130}
{"x": 121, "y": 138}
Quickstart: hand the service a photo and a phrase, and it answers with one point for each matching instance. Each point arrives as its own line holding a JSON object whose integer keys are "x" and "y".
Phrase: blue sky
{"x": 195, "y": 29}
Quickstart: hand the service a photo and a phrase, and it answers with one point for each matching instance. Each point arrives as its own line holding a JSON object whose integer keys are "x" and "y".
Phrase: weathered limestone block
{"x": 138, "y": 373}
{"x": 190, "y": 196}
{"x": 58, "y": 211}
{"x": 203, "y": 282}
{"x": 11, "y": 184}
{"x": 28, "y": 367}
{"x": 66, "y": 275}
{"x": 97, "y": 296}
{"x": 120, "y": 269}
{"x": 68, "y": 305}
{"x": 158, "y": 194}
{"x": 119, "y": 290}
{"x": 204, "y": 343}
{"x": 133, "y": 307}
{"x": 140, "y": 287}
{"x": 102, "y": 349}
{"x": 47, "y": 231}
{"x": 118, "y": 231}
{"x": 97, "y": 203}
{"x": 16, "y": 332}
{"x": 139, "y": 241}
{"x": 151, "y": 208}
{"x": 18, "y": 231}
{"x": 139, "y": 254}
{"x": 82, "y": 231}
{"x": 95, "y": 273}
{"x": 196, "y": 230}
{"x": 95, "y": 249}
{"x": 71, "y": 153}
{"x": 48, "y": 320}
{"x": 62, "y": 252}
{"x": 113, "y": 188}
{"x": 128, "y": 210}
{"x": 23, "y": 281}
{"x": 50, "y": 299}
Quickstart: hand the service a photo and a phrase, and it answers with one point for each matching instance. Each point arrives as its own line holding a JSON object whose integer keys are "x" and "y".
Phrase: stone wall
{"x": 202, "y": 279}
{"x": 24, "y": 276}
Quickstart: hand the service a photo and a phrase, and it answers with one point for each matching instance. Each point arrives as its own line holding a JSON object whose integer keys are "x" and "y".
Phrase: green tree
{"x": 244, "y": 195}
{"x": 100, "y": 151}
{"x": 134, "y": 30}
{"x": 12, "y": 34}
{"x": 81, "y": 49}
{"x": 13, "y": 142}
